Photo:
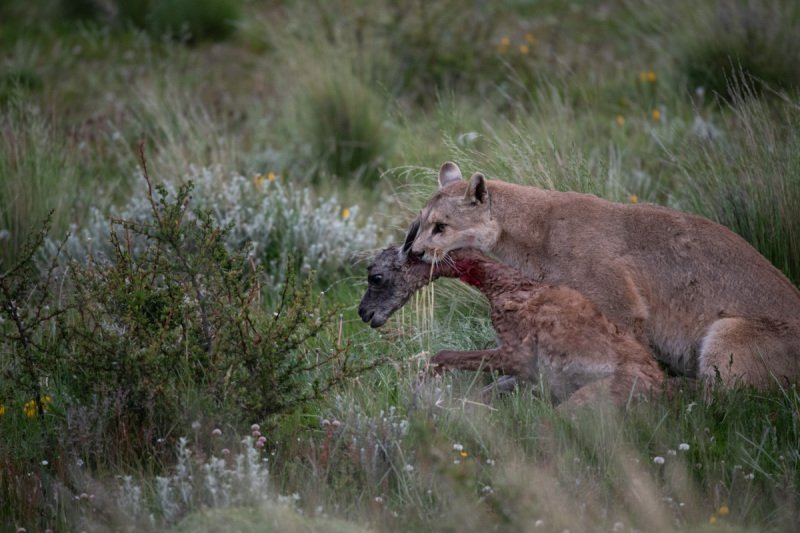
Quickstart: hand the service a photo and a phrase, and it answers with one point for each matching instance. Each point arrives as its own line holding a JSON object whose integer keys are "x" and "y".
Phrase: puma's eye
{"x": 439, "y": 228}
{"x": 375, "y": 279}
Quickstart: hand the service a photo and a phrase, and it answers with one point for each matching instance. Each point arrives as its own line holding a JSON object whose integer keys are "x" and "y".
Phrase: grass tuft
{"x": 194, "y": 20}
{"x": 756, "y": 38}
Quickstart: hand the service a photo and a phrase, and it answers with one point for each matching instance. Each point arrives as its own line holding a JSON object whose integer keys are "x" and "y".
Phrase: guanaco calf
{"x": 549, "y": 332}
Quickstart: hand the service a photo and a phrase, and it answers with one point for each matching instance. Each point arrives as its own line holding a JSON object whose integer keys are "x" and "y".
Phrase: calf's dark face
{"x": 387, "y": 289}
{"x": 390, "y": 281}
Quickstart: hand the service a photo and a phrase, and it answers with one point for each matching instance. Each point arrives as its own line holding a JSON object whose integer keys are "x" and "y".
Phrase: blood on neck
{"x": 469, "y": 272}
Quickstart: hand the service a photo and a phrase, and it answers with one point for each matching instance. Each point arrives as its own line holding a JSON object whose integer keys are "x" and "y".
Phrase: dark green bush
{"x": 195, "y": 20}
{"x": 83, "y": 9}
{"x": 756, "y": 39}
{"x": 18, "y": 82}
{"x": 171, "y": 322}
{"x": 133, "y": 11}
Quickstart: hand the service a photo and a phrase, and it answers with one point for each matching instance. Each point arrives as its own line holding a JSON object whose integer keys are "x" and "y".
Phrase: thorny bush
{"x": 145, "y": 331}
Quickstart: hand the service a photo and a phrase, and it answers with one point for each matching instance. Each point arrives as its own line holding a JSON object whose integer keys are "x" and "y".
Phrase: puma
{"x": 705, "y": 301}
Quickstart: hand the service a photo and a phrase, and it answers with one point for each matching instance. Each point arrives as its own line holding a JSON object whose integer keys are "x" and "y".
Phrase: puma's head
{"x": 458, "y": 216}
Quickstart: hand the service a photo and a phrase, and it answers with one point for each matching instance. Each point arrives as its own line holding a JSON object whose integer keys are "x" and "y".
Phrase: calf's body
{"x": 544, "y": 332}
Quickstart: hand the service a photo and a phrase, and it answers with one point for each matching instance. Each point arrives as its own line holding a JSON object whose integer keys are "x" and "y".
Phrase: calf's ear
{"x": 477, "y": 193}
{"x": 448, "y": 173}
{"x": 410, "y": 236}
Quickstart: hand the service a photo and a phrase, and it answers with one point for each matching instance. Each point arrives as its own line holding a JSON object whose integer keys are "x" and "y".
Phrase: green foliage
{"x": 185, "y": 309}
{"x": 750, "y": 181}
{"x": 133, "y": 11}
{"x": 171, "y": 315}
{"x": 439, "y": 452}
{"x": 37, "y": 175}
{"x": 195, "y": 20}
{"x": 82, "y": 9}
{"x": 342, "y": 122}
{"x": 758, "y": 39}
{"x": 17, "y": 82}
{"x": 286, "y": 227}
{"x": 563, "y": 95}
{"x": 26, "y": 315}
{"x": 441, "y": 47}
{"x": 423, "y": 49}
{"x": 190, "y": 20}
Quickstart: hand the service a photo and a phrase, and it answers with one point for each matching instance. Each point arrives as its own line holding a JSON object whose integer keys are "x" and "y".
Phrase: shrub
{"x": 18, "y": 82}
{"x": 167, "y": 321}
{"x": 172, "y": 302}
{"x": 133, "y": 11}
{"x": 83, "y": 9}
{"x": 269, "y": 215}
{"x": 757, "y": 38}
{"x": 195, "y": 20}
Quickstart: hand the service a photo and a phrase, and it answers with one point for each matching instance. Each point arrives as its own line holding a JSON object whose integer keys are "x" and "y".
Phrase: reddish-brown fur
{"x": 547, "y": 332}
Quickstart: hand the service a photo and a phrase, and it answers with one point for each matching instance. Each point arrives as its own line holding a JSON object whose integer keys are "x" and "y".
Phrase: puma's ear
{"x": 410, "y": 236}
{"x": 477, "y": 193}
{"x": 448, "y": 173}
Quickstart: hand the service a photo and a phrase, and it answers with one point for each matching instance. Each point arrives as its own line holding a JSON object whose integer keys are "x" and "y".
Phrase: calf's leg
{"x": 501, "y": 359}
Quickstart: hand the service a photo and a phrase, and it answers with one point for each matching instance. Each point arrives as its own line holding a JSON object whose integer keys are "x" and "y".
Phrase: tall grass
{"x": 183, "y": 130}
{"x": 38, "y": 173}
{"x": 337, "y": 121}
{"x": 755, "y": 37}
{"x": 437, "y": 455}
{"x": 749, "y": 180}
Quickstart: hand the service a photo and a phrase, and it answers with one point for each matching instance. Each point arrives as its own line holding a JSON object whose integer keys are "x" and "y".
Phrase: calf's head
{"x": 392, "y": 277}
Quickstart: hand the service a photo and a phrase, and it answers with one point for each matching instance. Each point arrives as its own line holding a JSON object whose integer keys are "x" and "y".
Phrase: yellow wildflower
{"x": 523, "y": 49}
{"x": 656, "y": 114}
{"x": 634, "y": 198}
{"x": 345, "y": 213}
{"x": 530, "y": 38}
{"x": 650, "y": 76}
{"x": 620, "y": 120}
{"x": 271, "y": 176}
{"x": 724, "y": 510}
{"x": 712, "y": 519}
{"x": 505, "y": 42}
{"x": 258, "y": 179}
{"x": 463, "y": 453}
{"x": 30, "y": 407}
{"x": 2, "y": 409}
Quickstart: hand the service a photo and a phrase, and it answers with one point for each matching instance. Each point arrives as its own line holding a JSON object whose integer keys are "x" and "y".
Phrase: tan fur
{"x": 548, "y": 334}
{"x": 706, "y": 302}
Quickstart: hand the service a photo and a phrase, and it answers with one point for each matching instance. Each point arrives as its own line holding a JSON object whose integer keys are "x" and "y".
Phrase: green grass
{"x": 365, "y": 101}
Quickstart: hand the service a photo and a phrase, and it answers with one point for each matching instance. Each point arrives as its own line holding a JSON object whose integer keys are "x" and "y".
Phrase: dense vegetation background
{"x": 188, "y": 193}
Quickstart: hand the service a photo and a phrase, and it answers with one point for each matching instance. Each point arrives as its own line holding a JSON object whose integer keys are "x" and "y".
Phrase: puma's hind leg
{"x": 757, "y": 352}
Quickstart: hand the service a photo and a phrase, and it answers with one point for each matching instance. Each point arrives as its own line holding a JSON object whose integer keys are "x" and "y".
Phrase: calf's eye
{"x": 439, "y": 228}
{"x": 375, "y": 279}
